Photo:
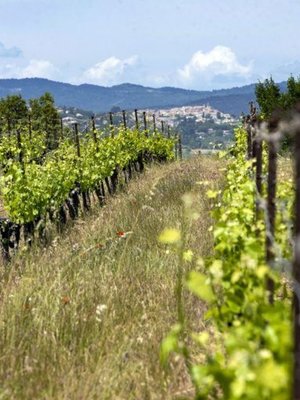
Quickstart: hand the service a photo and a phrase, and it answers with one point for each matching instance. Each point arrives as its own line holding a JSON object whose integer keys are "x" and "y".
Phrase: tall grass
{"x": 84, "y": 317}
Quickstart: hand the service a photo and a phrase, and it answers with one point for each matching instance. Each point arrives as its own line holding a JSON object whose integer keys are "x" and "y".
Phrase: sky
{"x": 193, "y": 44}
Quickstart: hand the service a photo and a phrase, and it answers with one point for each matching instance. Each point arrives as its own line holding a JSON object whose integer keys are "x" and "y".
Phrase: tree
{"x": 268, "y": 97}
{"x": 275, "y": 105}
{"x": 13, "y": 111}
{"x": 293, "y": 92}
{"x": 45, "y": 117}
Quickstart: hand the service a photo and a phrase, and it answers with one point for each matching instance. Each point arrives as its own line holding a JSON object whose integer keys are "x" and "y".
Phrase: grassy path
{"x": 84, "y": 318}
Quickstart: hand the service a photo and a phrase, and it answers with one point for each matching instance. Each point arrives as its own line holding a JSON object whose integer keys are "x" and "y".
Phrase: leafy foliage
{"x": 248, "y": 355}
{"x": 39, "y": 115}
{"x": 271, "y": 99}
{"x": 39, "y": 182}
{"x": 46, "y": 118}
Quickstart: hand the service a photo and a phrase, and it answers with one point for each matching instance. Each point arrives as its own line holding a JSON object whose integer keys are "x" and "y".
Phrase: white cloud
{"x": 7, "y": 71}
{"x": 220, "y": 61}
{"x": 33, "y": 69}
{"x": 109, "y": 71}
{"x": 39, "y": 69}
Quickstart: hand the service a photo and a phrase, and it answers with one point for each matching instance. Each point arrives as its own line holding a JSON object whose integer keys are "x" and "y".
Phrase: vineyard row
{"x": 251, "y": 347}
{"x": 42, "y": 183}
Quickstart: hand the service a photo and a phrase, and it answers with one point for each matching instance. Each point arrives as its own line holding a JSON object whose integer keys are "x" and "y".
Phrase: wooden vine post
{"x": 99, "y": 189}
{"x": 180, "y": 147}
{"x": 136, "y": 119}
{"x": 7, "y": 230}
{"x": 140, "y": 163}
{"x": 249, "y": 140}
{"x": 84, "y": 194}
{"x": 111, "y": 123}
{"x": 154, "y": 123}
{"x": 169, "y": 132}
{"x": 145, "y": 122}
{"x": 77, "y": 139}
{"x": 258, "y": 174}
{"x": 114, "y": 177}
{"x": 296, "y": 272}
{"x": 29, "y": 226}
{"x": 257, "y": 156}
{"x": 271, "y": 208}
{"x": 20, "y": 149}
{"x": 162, "y": 127}
{"x": 5, "y": 236}
{"x": 94, "y": 131}
{"x": 124, "y": 119}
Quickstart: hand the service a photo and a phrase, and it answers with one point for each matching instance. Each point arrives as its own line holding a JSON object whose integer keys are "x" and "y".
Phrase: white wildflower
{"x": 100, "y": 309}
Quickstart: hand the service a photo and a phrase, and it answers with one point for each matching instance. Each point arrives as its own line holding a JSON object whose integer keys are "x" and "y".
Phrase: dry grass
{"x": 3, "y": 213}
{"x": 84, "y": 318}
{"x": 285, "y": 168}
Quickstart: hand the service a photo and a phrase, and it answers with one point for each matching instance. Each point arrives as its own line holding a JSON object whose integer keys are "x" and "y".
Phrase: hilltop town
{"x": 201, "y": 126}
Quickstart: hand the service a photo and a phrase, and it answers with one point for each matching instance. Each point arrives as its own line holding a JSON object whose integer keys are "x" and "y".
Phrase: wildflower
{"x": 169, "y": 236}
{"x": 121, "y": 234}
{"x": 75, "y": 247}
{"x": 100, "y": 309}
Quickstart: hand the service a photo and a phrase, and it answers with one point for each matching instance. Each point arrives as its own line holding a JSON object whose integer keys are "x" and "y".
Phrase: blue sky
{"x": 197, "y": 44}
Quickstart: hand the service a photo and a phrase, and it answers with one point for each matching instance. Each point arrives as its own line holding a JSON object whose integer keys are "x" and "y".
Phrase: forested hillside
{"x": 128, "y": 96}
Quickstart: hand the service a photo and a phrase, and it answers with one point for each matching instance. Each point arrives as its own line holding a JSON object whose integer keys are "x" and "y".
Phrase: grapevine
{"x": 248, "y": 353}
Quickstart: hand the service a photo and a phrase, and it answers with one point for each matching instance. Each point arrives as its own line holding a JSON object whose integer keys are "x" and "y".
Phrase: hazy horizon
{"x": 132, "y": 84}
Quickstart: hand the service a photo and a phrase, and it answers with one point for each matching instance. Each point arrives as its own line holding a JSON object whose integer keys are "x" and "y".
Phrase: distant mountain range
{"x": 128, "y": 96}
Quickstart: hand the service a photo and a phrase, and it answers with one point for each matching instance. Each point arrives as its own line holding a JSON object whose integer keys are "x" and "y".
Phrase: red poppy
{"x": 121, "y": 234}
